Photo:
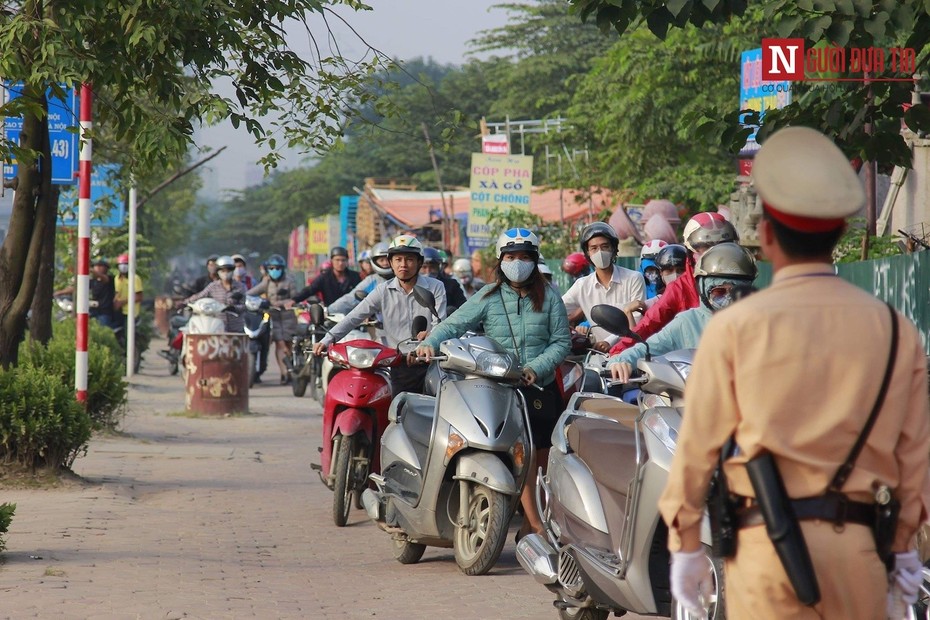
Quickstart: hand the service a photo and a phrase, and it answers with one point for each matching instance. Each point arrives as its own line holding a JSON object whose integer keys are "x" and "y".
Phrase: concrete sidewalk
{"x": 223, "y": 518}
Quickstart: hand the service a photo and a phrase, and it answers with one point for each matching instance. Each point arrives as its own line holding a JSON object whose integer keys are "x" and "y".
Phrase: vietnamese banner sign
{"x": 318, "y": 235}
{"x": 497, "y": 182}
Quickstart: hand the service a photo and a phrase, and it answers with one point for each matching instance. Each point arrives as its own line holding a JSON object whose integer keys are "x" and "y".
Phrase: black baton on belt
{"x": 782, "y": 526}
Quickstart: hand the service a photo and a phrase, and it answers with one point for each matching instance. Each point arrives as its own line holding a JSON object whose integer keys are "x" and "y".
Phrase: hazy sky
{"x": 402, "y": 29}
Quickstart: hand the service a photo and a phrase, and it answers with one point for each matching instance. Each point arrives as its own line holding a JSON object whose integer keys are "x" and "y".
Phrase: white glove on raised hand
{"x": 692, "y": 580}
{"x": 904, "y": 584}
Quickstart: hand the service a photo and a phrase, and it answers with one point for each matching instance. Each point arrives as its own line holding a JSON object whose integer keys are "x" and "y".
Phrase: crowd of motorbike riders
{"x": 675, "y": 288}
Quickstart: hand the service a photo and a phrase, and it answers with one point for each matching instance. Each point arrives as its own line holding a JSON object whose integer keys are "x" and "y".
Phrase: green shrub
{"x": 6, "y": 517}
{"x": 41, "y": 424}
{"x": 106, "y": 390}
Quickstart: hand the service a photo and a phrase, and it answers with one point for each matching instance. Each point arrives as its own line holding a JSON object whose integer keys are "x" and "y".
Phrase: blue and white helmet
{"x": 517, "y": 240}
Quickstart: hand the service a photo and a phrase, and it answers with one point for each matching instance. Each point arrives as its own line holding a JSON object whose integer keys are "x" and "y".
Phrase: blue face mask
{"x": 275, "y": 273}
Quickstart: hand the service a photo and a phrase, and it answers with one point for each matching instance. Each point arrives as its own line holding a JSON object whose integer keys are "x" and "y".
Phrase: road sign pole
{"x": 83, "y": 254}
{"x": 131, "y": 318}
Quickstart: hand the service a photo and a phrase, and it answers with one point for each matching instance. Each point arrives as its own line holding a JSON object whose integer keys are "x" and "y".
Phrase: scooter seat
{"x": 417, "y": 418}
{"x": 607, "y": 448}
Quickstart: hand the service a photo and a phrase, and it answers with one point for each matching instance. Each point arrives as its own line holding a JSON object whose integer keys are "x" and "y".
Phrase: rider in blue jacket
{"x": 527, "y": 317}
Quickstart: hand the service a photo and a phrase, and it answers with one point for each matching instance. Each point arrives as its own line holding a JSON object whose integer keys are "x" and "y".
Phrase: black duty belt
{"x": 836, "y": 509}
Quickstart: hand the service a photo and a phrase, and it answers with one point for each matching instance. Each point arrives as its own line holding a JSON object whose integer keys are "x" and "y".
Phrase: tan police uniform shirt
{"x": 795, "y": 370}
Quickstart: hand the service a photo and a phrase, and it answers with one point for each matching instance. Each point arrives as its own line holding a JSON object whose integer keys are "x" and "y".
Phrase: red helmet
{"x": 122, "y": 259}
{"x": 575, "y": 264}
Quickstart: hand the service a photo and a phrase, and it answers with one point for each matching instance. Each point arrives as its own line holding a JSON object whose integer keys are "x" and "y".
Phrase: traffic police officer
{"x": 793, "y": 370}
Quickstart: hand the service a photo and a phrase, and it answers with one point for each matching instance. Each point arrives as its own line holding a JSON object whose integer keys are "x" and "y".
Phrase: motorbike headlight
{"x": 253, "y": 303}
{"x": 660, "y": 428}
{"x": 494, "y": 364}
{"x": 683, "y": 369}
{"x": 360, "y": 357}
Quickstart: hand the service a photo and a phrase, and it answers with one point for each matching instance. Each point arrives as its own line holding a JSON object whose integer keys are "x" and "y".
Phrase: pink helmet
{"x": 122, "y": 259}
{"x": 707, "y": 229}
{"x": 652, "y": 248}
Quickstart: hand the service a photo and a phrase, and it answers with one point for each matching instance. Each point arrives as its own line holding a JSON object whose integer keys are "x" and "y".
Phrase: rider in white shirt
{"x": 609, "y": 284}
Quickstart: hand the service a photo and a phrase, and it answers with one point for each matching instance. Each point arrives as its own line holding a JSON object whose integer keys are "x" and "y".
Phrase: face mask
{"x": 466, "y": 280}
{"x": 123, "y": 268}
{"x": 602, "y": 259}
{"x": 517, "y": 271}
{"x": 670, "y": 277}
{"x": 652, "y": 277}
{"x": 274, "y": 273}
{"x": 240, "y": 271}
{"x": 226, "y": 275}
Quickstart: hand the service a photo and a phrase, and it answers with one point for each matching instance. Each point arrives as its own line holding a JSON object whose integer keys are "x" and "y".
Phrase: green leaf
{"x": 839, "y": 32}
{"x": 876, "y": 26}
{"x": 675, "y": 7}
{"x": 917, "y": 118}
{"x": 659, "y": 20}
{"x": 786, "y": 27}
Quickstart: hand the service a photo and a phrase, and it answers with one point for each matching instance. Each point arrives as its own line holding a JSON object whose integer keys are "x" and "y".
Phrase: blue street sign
{"x": 64, "y": 143}
{"x": 103, "y": 198}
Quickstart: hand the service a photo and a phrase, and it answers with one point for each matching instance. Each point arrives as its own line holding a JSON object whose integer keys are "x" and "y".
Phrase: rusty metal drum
{"x": 217, "y": 373}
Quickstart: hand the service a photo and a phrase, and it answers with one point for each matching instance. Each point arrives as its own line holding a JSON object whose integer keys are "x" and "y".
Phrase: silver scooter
{"x": 453, "y": 465}
{"x": 605, "y": 545}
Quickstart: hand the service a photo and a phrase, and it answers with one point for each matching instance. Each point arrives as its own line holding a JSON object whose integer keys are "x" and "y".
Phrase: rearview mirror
{"x": 426, "y": 299}
{"x": 611, "y": 318}
{"x": 419, "y": 324}
{"x": 316, "y": 314}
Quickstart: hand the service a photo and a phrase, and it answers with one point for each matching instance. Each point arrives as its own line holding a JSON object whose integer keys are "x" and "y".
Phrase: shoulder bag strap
{"x": 842, "y": 474}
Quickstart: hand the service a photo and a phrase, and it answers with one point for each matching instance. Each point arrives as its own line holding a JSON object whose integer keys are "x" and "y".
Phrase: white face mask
{"x": 669, "y": 278}
{"x": 226, "y": 275}
{"x": 517, "y": 271}
{"x": 602, "y": 259}
{"x": 123, "y": 268}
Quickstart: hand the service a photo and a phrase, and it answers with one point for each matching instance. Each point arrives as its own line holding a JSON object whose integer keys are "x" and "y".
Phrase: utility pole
{"x": 442, "y": 195}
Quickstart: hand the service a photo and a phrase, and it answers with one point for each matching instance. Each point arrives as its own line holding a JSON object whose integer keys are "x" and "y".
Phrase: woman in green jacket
{"x": 527, "y": 317}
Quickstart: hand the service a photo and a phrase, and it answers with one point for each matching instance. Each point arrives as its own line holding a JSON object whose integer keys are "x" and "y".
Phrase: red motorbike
{"x": 355, "y": 413}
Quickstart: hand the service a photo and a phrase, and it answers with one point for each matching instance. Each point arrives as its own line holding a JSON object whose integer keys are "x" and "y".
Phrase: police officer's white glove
{"x": 692, "y": 580}
{"x": 904, "y": 584}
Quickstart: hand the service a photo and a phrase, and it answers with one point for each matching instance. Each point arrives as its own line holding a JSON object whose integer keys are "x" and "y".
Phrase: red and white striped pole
{"x": 83, "y": 253}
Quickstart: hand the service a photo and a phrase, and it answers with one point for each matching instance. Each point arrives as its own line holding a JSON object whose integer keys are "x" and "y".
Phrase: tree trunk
{"x": 40, "y": 322}
{"x": 21, "y": 252}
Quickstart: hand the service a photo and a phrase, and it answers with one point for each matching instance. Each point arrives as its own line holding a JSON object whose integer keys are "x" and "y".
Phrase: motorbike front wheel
{"x": 407, "y": 552}
{"x": 583, "y": 613}
{"x": 344, "y": 486}
{"x": 299, "y": 386}
{"x": 717, "y": 609}
{"x": 478, "y": 543}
